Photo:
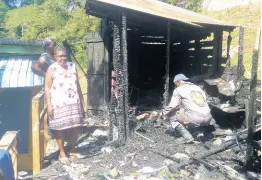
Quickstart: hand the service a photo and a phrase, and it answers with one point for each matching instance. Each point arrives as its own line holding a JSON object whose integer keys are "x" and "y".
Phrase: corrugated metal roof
{"x": 15, "y": 71}
{"x": 11, "y": 41}
{"x": 164, "y": 10}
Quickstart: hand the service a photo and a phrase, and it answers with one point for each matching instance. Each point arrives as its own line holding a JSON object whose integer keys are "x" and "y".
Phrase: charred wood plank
{"x": 240, "y": 65}
{"x": 217, "y": 51}
{"x": 125, "y": 71}
{"x": 144, "y": 137}
{"x": 197, "y": 56}
{"x": 167, "y": 65}
{"x": 229, "y": 39}
{"x": 118, "y": 66}
{"x": 209, "y": 152}
{"x": 207, "y": 165}
{"x": 230, "y": 172}
{"x": 252, "y": 105}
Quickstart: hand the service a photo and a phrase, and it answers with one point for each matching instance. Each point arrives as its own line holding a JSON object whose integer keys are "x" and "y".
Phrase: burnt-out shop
{"x": 141, "y": 46}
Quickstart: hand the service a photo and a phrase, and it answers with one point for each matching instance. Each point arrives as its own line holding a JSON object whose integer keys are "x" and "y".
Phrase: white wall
{"x": 212, "y": 5}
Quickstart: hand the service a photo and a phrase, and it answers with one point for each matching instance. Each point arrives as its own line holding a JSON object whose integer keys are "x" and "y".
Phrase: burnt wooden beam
{"x": 217, "y": 51}
{"x": 184, "y": 49}
{"x": 118, "y": 66}
{"x": 166, "y": 97}
{"x": 125, "y": 70}
{"x": 252, "y": 104}
{"x": 229, "y": 39}
{"x": 240, "y": 65}
{"x": 197, "y": 56}
{"x": 157, "y": 30}
{"x": 202, "y": 155}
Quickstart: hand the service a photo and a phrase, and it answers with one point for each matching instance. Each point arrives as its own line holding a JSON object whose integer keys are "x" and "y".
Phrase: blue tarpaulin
{"x": 6, "y": 165}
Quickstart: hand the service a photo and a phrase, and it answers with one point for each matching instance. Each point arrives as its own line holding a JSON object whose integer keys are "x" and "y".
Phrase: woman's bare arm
{"x": 39, "y": 67}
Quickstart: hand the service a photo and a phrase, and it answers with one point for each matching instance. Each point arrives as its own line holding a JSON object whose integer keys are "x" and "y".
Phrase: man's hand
{"x": 50, "y": 111}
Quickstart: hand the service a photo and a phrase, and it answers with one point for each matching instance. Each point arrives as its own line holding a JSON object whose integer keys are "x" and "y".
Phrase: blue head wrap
{"x": 47, "y": 42}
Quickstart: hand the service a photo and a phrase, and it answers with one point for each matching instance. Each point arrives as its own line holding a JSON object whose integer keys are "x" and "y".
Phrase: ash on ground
{"x": 142, "y": 159}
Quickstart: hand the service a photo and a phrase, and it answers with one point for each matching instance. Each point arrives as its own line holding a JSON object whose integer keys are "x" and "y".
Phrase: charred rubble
{"x": 132, "y": 62}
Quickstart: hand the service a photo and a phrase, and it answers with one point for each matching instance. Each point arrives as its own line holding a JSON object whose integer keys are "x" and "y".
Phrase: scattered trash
{"x": 181, "y": 156}
{"x": 144, "y": 137}
{"x": 122, "y": 163}
{"x": 184, "y": 173}
{"x": 197, "y": 176}
{"x": 106, "y": 150}
{"x": 217, "y": 141}
{"x": 114, "y": 172}
{"x": 153, "y": 116}
{"x": 129, "y": 156}
{"x": 86, "y": 170}
{"x": 83, "y": 144}
{"x": 22, "y": 173}
{"x": 145, "y": 158}
{"x": 168, "y": 162}
{"x": 222, "y": 132}
{"x": 142, "y": 116}
{"x": 226, "y": 105}
{"x": 228, "y": 138}
{"x": 99, "y": 133}
{"x": 147, "y": 170}
{"x": 96, "y": 161}
{"x": 258, "y": 153}
{"x": 134, "y": 164}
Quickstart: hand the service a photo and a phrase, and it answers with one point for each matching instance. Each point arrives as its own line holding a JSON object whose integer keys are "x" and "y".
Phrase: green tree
{"x": 53, "y": 19}
{"x": 3, "y": 10}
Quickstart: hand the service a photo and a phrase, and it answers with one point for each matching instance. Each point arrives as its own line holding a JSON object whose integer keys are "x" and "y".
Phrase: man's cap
{"x": 47, "y": 41}
{"x": 180, "y": 77}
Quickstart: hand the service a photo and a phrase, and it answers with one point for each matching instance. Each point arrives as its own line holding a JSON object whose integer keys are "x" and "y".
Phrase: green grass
{"x": 249, "y": 16}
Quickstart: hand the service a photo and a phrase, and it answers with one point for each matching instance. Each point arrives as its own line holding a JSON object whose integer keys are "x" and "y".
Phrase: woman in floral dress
{"x": 64, "y": 101}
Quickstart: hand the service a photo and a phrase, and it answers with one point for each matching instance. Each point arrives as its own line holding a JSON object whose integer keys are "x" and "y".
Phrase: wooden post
{"x": 43, "y": 132}
{"x": 166, "y": 94}
{"x": 125, "y": 70}
{"x": 197, "y": 57}
{"x": 184, "y": 53}
{"x": 240, "y": 66}
{"x": 35, "y": 136}
{"x": 229, "y": 39}
{"x": 252, "y": 104}
{"x": 118, "y": 66}
{"x": 217, "y": 51}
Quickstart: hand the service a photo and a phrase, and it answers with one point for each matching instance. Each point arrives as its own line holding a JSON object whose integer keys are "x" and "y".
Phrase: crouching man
{"x": 188, "y": 106}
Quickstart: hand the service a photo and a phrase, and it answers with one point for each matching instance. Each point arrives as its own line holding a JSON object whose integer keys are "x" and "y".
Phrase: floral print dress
{"x": 65, "y": 98}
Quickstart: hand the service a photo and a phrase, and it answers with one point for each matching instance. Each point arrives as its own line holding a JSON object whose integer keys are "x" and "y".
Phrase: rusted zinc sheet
{"x": 15, "y": 71}
{"x": 157, "y": 8}
{"x": 12, "y": 41}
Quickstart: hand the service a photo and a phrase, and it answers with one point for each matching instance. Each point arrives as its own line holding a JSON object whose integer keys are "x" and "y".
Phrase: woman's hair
{"x": 60, "y": 48}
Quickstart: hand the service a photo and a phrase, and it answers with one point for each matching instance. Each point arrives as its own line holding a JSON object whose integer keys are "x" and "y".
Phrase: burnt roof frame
{"x": 102, "y": 10}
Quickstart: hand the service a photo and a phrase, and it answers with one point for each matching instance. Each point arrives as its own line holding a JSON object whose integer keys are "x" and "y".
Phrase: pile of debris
{"x": 154, "y": 153}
